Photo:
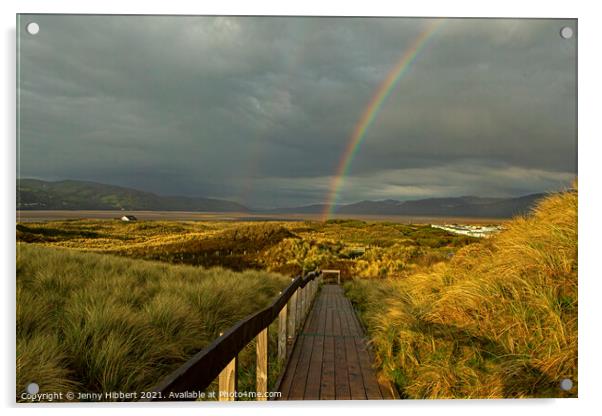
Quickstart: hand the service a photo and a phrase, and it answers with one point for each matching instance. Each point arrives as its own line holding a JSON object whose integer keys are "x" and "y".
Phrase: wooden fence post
{"x": 262, "y": 364}
{"x": 282, "y": 334}
{"x": 303, "y": 296}
{"x": 305, "y": 300}
{"x": 298, "y": 308}
{"x": 308, "y": 299}
{"x": 292, "y": 316}
{"x": 228, "y": 381}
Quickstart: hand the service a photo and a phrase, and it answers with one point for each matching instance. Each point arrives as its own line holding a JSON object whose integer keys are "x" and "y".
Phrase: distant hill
{"x": 464, "y": 206}
{"x": 33, "y": 194}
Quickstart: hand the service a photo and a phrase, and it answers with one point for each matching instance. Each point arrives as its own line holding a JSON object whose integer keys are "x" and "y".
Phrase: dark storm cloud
{"x": 259, "y": 110}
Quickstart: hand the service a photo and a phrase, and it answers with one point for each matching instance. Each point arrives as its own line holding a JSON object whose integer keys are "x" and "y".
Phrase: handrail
{"x": 205, "y": 366}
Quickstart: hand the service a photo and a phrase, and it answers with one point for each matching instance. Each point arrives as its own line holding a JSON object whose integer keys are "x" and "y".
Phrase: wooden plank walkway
{"x": 330, "y": 360}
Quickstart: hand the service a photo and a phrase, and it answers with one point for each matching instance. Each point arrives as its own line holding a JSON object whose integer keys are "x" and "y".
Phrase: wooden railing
{"x": 220, "y": 358}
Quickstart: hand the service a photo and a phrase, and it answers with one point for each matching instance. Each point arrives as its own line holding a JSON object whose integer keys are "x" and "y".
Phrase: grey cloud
{"x": 260, "y": 110}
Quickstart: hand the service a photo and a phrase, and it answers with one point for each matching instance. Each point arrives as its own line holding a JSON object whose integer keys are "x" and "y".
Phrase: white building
{"x": 469, "y": 230}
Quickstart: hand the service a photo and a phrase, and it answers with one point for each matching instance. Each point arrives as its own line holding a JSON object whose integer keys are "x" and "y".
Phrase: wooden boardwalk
{"x": 330, "y": 360}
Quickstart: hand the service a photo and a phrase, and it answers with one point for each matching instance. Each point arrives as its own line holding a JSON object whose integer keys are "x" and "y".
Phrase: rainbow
{"x": 369, "y": 115}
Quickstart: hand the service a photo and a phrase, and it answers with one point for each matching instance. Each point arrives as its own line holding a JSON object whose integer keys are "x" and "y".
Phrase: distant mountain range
{"x": 464, "y": 206}
{"x": 34, "y": 194}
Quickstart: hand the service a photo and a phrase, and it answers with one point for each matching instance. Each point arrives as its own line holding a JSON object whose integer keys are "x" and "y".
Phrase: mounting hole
{"x": 566, "y": 32}
{"x": 566, "y": 384}
{"x": 33, "y": 28}
{"x": 33, "y": 388}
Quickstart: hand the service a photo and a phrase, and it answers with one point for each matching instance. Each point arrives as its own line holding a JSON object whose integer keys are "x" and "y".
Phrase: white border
{"x": 590, "y": 178}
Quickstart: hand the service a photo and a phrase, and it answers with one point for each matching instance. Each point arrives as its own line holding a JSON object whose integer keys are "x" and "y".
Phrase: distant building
{"x": 470, "y": 230}
{"x": 128, "y": 218}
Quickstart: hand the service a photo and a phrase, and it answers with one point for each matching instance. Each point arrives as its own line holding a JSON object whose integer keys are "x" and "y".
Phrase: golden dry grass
{"x": 288, "y": 247}
{"x": 498, "y": 320}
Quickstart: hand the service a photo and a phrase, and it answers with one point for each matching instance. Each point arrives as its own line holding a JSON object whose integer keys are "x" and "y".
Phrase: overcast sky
{"x": 259, "y": 109}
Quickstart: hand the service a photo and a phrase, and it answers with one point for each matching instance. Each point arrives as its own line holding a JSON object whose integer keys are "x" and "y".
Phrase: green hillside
{"x": 79, "y": 195}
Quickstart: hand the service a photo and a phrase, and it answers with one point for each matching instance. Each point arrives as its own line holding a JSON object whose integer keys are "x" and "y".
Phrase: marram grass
{"x": 98, "y": 323}
{"x": 498, "y": 320}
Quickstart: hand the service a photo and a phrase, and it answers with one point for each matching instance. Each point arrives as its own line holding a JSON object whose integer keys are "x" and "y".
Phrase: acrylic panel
{"x": 295, "y": 208}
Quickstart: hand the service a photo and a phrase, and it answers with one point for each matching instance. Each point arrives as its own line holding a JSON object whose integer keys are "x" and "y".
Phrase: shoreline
{"x": 58, "y": 215}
